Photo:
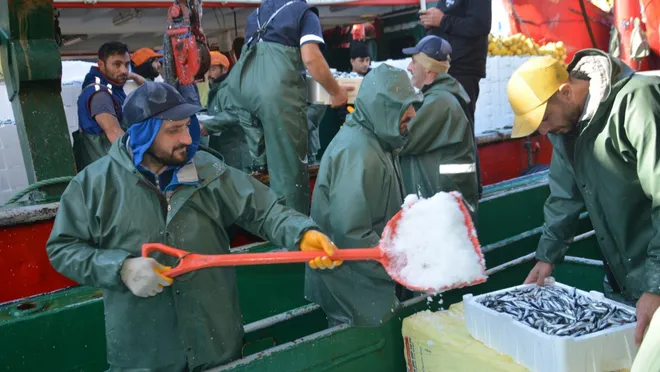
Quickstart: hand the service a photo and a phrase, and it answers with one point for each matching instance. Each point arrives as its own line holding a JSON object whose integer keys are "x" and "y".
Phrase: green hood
{"x": 385, "y": 94}
{"x": 446, "y": 83}
{"x": 607, "y": 76}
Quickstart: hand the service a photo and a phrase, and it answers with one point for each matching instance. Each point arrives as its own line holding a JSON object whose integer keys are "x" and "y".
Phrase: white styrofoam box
{"x": 608, "y": 350}
{"x": 493, "y": 111}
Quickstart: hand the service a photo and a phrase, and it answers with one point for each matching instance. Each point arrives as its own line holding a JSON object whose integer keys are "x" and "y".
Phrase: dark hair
{"x": 110, "y": 49}
{"x": 359, "y": 50}
{"x": 579, "y": 75}
{"x": 237, "y": 45}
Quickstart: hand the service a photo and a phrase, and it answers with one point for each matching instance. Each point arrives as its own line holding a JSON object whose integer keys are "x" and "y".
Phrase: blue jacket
{"x": 94, "y": 82}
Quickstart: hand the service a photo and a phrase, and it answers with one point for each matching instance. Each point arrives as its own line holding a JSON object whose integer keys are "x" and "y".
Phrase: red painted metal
{"x": 505, "y": 160}
{"x": 625, "y": 11}
{"x": 26, "y": 270}
{"x": 189, "y": 46}
{"x": 552, "y": 21}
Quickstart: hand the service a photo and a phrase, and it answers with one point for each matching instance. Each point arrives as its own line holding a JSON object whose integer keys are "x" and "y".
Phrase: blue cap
{"x": 156, "y": 100}
{"x": 433, "y": 46}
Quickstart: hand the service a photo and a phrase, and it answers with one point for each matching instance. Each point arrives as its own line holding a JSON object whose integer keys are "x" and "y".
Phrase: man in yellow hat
{"x": 602, "y": 120}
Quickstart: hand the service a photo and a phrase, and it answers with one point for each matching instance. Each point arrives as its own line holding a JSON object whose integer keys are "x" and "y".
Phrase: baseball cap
{"x": 529, "y": 89}
{"x": 156, "y": 100}
{"x": 433, "y": 46}
{"x": 219, "y": 59}
{"x": 142, "y": 55}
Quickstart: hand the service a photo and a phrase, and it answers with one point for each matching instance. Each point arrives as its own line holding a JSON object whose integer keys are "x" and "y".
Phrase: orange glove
{"x": 315, "y": 241}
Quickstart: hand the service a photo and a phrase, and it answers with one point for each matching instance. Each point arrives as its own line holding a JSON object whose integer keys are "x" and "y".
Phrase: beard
{"x": 177, "y": 157}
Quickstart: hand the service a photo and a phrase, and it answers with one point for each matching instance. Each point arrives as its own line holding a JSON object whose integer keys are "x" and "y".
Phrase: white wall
{"x": 13, "y": 177}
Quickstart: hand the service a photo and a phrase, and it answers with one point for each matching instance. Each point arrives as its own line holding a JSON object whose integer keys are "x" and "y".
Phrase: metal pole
{"x": 32, "y": 66}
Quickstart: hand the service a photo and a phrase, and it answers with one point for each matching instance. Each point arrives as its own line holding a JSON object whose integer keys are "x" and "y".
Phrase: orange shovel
{"x": 189, "y": 261}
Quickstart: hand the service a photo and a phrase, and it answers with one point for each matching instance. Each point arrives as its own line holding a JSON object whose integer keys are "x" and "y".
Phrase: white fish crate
{"x": 316, "y": 94}
{"x": 611, "y": 349}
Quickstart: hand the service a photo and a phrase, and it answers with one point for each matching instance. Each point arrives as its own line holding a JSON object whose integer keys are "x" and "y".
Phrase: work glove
{"x": 315, "y": 241}
{"x": 142, "y": 275}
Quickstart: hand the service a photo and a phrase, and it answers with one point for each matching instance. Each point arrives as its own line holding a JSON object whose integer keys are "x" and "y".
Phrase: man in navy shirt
{"x": 99, "y": 103}
{"x": 283, "y": 39}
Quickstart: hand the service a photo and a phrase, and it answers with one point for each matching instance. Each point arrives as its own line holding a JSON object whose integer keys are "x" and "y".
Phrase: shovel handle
{"x": 193, "y": 261}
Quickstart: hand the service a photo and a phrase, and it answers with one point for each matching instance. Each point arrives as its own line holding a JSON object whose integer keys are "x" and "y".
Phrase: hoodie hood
{"x": 384, "y": 95}
{"x": 447, "y": 83}
{"x": 142, "y": 135}
{"x": 606, "y": 76}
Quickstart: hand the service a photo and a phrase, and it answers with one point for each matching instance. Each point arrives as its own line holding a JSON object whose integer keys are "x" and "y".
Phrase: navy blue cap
{"x": 433, "y": 46}
{"x": 156, "y": 100}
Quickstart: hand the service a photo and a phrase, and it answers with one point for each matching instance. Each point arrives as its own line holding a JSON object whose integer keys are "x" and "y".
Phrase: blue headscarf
{"x": 143, "y": 134}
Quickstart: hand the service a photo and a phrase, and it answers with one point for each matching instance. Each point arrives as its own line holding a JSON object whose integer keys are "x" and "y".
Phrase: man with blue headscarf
{"x": 156, "y": 187}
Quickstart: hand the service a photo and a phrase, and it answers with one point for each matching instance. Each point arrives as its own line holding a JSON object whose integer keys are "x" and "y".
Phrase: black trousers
{"x": 471, "y": 85}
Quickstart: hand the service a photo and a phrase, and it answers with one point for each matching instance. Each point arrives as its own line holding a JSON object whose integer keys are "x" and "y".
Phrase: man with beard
{"x": 358, "y": 189}
{"x": 100, "y": 102}
{"x": 155, "y": 187}
{"x": 233, "y": 132}
{"x": 218, "y": 69}
{"x": 602, "y": 120}
{"x": 146, "y": 63}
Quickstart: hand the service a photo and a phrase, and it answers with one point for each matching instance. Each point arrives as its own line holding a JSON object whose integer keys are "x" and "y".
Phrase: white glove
{"x": 142, "y": 275}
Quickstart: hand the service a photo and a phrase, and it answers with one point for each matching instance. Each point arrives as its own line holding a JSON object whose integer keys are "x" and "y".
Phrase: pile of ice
{"x": 435, "y": 245}
{"x": 340, "y": 74}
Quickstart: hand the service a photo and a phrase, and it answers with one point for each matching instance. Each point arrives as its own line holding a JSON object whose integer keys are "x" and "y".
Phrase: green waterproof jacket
{"x": 440, "y": 152}
{"x": 357, "y": 191}
{"x": 110, "y": 209}
{"x": 609, "y": 165}
{"x": 314, "y": 115}
{"x": 231, "y": 142}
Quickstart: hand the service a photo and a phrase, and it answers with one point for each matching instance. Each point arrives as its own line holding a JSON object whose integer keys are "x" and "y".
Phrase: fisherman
{"x": 465, "y": 24}
{"x": 100, "y": 102}
{"x": 360, "y": 58}
{"x": 440, "y": 152}
{"x": 241, "y": 145}
{"x": 146, "y": 63}
{"x": 284, "y": 38}
{"x": 602, "y": 120}
{"x": 155, "y": 187}
{"x": 360, "y": 61}
{"x": 358, "y": 189}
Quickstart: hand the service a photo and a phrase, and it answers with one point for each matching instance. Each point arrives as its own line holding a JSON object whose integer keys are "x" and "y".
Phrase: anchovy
{"x": 556, "y": 311}
{"x": 345, "y": 75}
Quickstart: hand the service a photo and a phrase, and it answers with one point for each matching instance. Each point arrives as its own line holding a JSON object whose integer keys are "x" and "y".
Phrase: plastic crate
{"x": 608, "y": 350}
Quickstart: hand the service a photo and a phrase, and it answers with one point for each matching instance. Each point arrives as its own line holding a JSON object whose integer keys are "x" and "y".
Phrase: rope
{"x": 586, "y": 22}
{"x": 37, "y": 185}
